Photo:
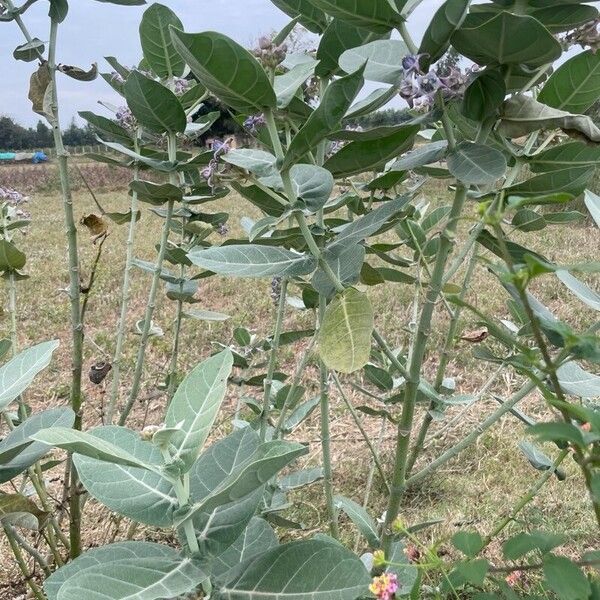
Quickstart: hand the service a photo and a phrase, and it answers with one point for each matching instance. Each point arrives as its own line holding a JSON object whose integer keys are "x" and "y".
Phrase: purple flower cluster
{"x": 419, "y": 89}
{"x": 270, "y": 55}
{"x": 125, "y": 118}
{"x": 211, "y": 170}
{"x": 254, "y": 122}
{"x": 181, "y": 86}
{"x": 587, "y": 36}
{"x": 223, "y": 229}
{"x": 12, "y": 197}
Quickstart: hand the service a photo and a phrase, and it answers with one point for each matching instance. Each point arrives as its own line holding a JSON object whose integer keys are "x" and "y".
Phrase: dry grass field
{"x": 476, "y": 489}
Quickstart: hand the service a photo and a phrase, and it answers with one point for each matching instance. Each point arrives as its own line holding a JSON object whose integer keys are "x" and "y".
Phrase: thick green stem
{"x": 326, "y": 439}
{"x": 125, "y": 297}
{"x": 445, "y": 356}
{"x": 74, "y": 291}
{"x": 172, "y": 376}
{"x": 150, "y": 307}
{"x": 413, "y": 379}
{"x": 473, "y": 436}
{"x": 527, "y": 498}
{"x": 268, "y": 383}
{"x": 14, "y": 545}
{"x": 306, "y": 356}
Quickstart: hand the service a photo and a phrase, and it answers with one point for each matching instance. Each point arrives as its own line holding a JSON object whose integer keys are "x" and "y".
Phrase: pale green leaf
{"x": 345, "y": 335}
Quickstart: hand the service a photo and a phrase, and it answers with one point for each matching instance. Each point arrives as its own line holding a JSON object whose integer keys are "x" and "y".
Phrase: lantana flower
{"x": 385, "y": 586}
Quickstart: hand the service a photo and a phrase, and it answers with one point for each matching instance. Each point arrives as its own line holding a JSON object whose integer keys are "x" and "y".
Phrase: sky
{"x": 93, "y": 30}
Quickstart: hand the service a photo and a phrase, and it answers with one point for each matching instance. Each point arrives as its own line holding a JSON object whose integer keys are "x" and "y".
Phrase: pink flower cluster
{"x": 385, "y": 586}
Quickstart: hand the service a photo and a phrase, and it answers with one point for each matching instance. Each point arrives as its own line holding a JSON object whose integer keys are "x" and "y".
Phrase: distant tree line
{"x": 16, "y": 137}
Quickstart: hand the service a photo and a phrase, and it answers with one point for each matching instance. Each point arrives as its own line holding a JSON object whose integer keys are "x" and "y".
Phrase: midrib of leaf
{"x": 576, "y": 90}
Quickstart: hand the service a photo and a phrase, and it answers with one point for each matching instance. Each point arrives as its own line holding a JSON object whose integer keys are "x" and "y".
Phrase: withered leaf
{"x": 78, "y": 73}
{"x": 475, "y": 336}
{"x": 40, "y": 91}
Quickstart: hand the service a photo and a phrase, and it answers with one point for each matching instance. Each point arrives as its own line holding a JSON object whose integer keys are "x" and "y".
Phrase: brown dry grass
{"x": 474, "y": 490}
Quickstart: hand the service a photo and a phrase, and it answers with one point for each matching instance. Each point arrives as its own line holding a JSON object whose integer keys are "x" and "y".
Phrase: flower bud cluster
{"x": 210, "y": 172}
{"x": 419, "y": 89}
{"x": 125, "y": 118}
{"x": 269, "y": 54}
{"x": 254, "y": 122}
{"x": 586, "y": 36}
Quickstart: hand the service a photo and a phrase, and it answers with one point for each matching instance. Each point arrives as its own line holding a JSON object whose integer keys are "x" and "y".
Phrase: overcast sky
{"x": 94, "y": 30}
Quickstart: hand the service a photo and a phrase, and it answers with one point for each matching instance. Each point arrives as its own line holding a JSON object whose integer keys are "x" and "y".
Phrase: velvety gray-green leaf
{"x": 312, "y": 570}
{"x": 103, "y": 555}
{"x": 253, "y": 260}
{"x": 18, "y": 373}
{"x": 146, "y": 578}
{"x": 476, "y": 164}
{"x": 376, "y": 15}
{"x": 523, "y": 114}
{"x": 153, "y": 105}
{"x": 226, "y": 69}
{"x": 18, "y": 451}
{"x": 344, "y": 338}
{"x": 445, "y": 22}
{"x": 157, "y": 46}
{"x": 505, "y": 38}
{"x": 383, "y": 60}
{"x": 360, "y": 517}
{"x": 326, "y": 118}
{"x": 195, "y": 404}
{"x": 135, "y": 493}
{"x": 359, "y": 156}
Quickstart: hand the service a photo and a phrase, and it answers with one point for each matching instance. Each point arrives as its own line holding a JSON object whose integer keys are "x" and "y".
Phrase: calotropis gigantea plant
{"x": 344, "y": 211}
{"x": 162, "y": 480}
{"x": 44, "y": 96}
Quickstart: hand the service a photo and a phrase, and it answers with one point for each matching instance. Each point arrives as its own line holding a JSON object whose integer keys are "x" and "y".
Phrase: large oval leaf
{"x": 383, "y": 60}
{"x": 326, "y": 118}
{"x": 226, "y": 69}
{"x": 339, "y": 37}
{"x": 253, "y": 260}
{"x": 523, "y": 114}
{"x": 575, "y": 85}
{"x": 345, "y": 335}
{"x": 445, "y": 22}
{"x": 258, "y": 537}
{"x": 376, "y": 15}
{"x": 157, "y": 46}
{"x": 476, "y": 164}
{"x": 308, "y": 570}
{"x": 138, "y": 494}
{"x": 195, "y": 404}
{"x": 313, "y": 18}
{"x": 102, "y": 556}
{"x": 563, "y": 156}
{"x": 360, "y": 156}
{"x": 11, "y": 258}
{"x": 18, "y": 373}
{"x": 506, "y": 38}
{"x": 153, "y": 105}
{"x": 135, "y": 578}
{"x": 221, "y": 526}
{"x": 18, "y": 451}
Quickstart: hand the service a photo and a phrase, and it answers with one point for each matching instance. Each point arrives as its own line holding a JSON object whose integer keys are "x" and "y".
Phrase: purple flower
{"x": 254, "y": 122}
{"x": 12, "y": 197}
{"x": 181, "y": 86}
{"x": 116, "y": 78}
{"x": 125, "y": 118}
{"x": 411, "y": 63}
